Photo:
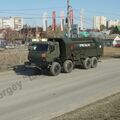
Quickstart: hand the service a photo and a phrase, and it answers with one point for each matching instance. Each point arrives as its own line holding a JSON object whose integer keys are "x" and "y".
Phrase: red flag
{"x": 54, "y": 20}
{"x": 71, "y": 17}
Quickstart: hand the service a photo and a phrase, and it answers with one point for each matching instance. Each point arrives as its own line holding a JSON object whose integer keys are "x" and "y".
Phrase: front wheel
{"x": 68, "y": 66}
{"x": 55, "y": 69}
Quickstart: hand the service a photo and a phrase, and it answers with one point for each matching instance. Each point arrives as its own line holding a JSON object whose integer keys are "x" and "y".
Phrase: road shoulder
{"x": 105, "y": 109}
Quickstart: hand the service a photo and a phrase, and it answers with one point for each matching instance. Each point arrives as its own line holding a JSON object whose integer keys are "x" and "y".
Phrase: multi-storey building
{"x": 98, "y": 21}
{"x": 0, "y": 23}
{"x": 6, "y": 23}
{"x": 14, "y": 23}
{"x": 113, "y": 23}
{"x": 18, "y": 23}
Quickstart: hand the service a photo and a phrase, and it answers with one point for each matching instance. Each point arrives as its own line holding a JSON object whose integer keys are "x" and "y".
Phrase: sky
{"x": 32, "y": 10}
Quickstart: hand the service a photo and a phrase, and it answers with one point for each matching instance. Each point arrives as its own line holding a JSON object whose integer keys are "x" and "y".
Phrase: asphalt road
{"x": 42, "y": 97}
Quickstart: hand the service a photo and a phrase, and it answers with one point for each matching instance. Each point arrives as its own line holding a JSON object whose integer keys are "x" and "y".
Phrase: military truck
{"x": 64, "y": 54}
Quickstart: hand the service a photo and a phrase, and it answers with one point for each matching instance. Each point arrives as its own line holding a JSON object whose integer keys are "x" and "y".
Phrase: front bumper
{"x": 40, "y": 65}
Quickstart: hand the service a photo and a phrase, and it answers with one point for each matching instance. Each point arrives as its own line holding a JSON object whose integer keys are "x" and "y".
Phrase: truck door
{"x": 53, "y": 53}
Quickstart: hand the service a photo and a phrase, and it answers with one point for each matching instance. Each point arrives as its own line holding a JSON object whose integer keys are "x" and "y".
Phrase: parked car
{"x": 10, "y": 46}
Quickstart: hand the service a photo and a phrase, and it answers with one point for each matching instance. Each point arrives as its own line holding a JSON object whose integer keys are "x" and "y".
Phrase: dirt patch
{"x": 106, "y": 109}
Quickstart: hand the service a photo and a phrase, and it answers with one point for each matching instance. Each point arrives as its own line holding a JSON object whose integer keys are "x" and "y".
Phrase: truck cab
{"x": 43, "y": 52}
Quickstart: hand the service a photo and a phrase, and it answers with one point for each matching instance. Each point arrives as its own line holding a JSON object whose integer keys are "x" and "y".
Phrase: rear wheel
{"x": 55, "y": 69}
{"x": 94, "y": 62}
{"x": 68, "y": 66}
{"x": 87, "y": 63}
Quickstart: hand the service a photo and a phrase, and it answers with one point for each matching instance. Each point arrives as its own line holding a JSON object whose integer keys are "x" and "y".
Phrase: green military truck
{"x": 58, "y": 54}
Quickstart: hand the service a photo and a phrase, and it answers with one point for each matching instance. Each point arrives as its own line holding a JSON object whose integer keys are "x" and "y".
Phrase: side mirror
{"x": 52, "y": 48}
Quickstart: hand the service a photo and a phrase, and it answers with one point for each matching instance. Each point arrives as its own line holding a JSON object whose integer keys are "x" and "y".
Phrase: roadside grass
{"x": 106, "y": 109}
{"x": 8, "y": 59}
{"x": 111, "y": 52}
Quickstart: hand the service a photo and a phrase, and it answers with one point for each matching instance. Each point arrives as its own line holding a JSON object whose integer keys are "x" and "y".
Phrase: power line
{"x": 33, "y": 9}
{"x": 58, "y": 17}
{"x": 99, "y": 12}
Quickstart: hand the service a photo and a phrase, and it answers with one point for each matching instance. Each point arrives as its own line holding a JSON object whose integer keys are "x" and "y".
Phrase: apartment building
{"x": 0, "y": 23}
{"x": 98, "y": 21}
{"x": 15, "y": 23}
{"x": 113, "y": 23}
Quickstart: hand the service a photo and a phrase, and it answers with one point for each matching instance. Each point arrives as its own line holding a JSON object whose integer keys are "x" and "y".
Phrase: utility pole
{"x": 37, "y": 32}
{"x": 68, "y": 18}
{"x": 81, "y": 19}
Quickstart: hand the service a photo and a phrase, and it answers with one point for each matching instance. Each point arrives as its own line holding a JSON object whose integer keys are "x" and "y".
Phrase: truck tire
{"x": 87, "y": 63}
{"x": 68, "y": 66}
{"x": 94, "y": 62}
{"x": 55, "y": 69}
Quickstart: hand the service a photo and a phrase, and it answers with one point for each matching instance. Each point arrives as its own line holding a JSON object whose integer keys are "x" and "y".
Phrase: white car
{"x": 11, "y": 46}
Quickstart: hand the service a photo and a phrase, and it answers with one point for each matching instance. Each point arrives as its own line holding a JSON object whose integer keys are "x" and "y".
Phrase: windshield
{"x": 38, "y": 47}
